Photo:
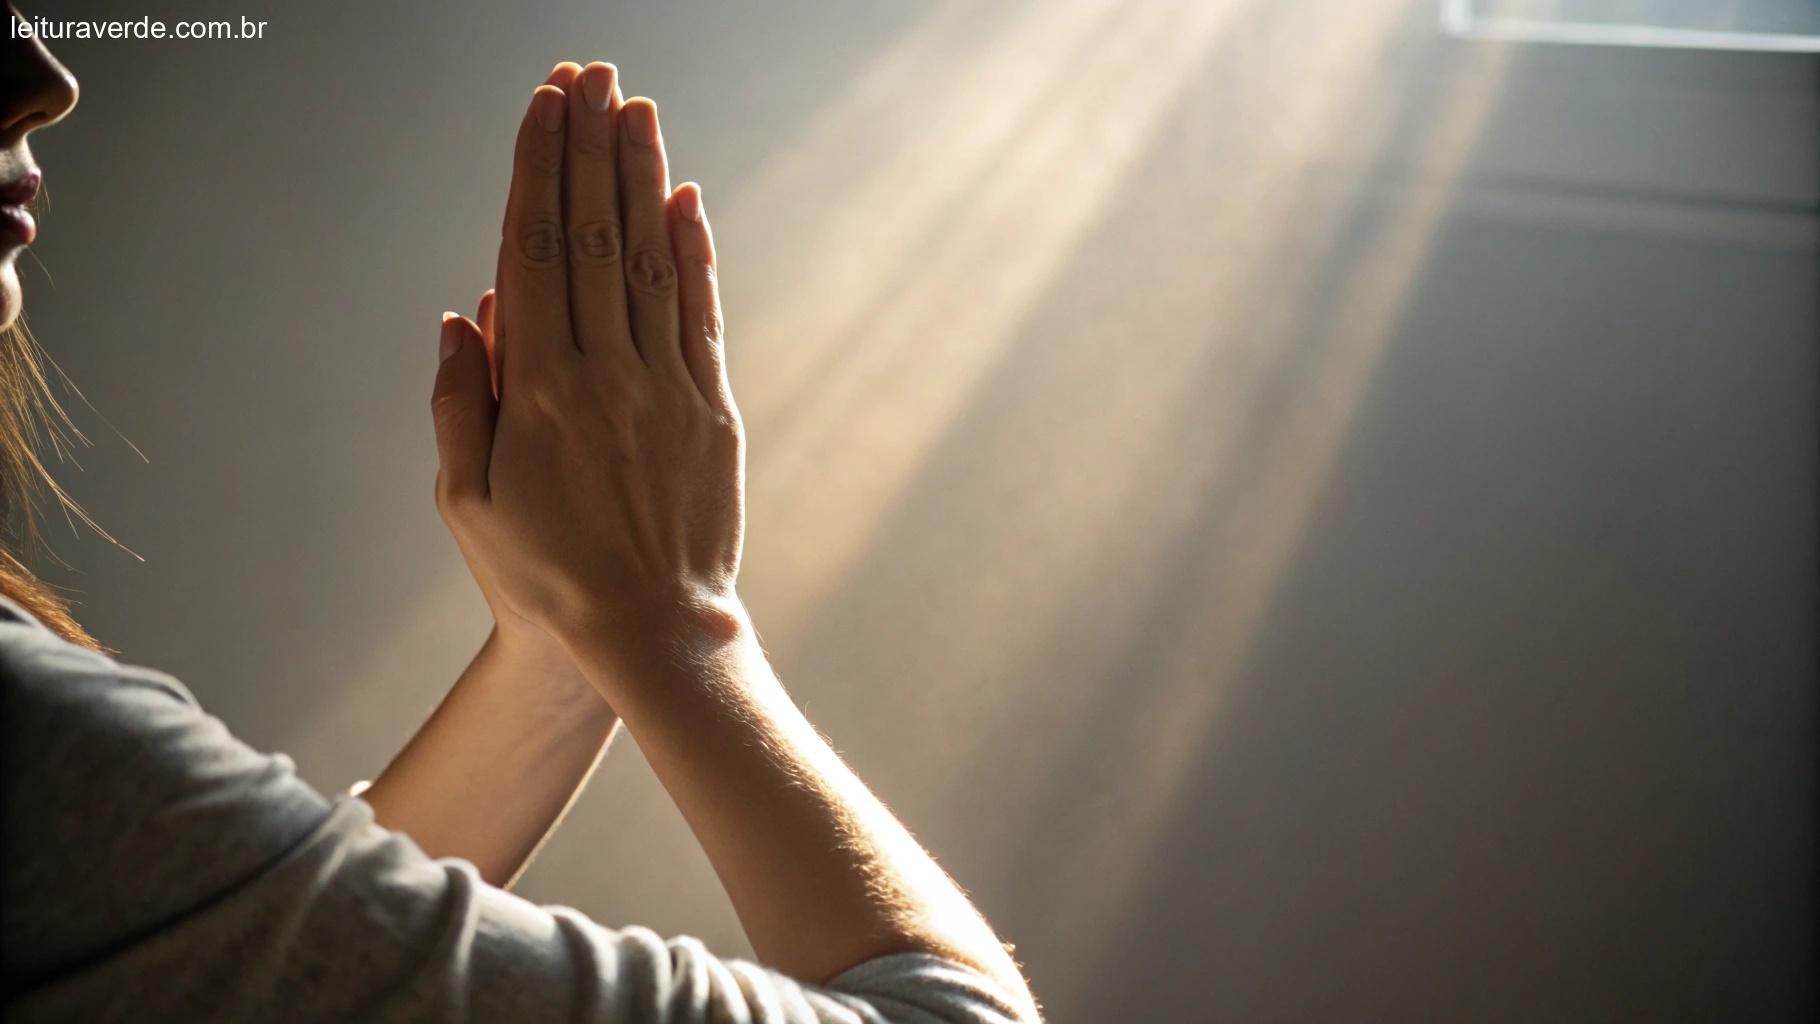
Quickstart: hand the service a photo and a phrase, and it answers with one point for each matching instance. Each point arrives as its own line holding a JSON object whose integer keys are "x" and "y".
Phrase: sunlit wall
{"x": 1307, "y": 517}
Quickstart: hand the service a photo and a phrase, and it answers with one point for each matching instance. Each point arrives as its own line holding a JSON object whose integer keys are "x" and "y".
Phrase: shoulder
{"x": 42, "y": 672}
{"x": 118, "y": 790}
{"x": 85, "y": 720}
{"x": 79, "y": 717}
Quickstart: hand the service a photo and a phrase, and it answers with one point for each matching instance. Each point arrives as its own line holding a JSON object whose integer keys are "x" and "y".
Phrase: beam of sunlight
{"x": 859, "y": 194}
{"x": 1266, "y": 528}
{"x": 945, "y": 246}
{"x": 1269, "y": 207}
{"x": 1267, "y": 211}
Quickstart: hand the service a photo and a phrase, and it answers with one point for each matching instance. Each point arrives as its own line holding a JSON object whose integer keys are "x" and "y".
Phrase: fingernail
{"x": 451, "y": 337}
{"x": 546, "y": 106}
{"x": 688, "y": 202}
{"x": 641, "y": 122}
{"x": 597, "y": 86}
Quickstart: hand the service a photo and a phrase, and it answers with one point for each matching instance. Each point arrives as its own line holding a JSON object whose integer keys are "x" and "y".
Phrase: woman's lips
{"x": 16, "y": 197}
{"x": 17, "y": 224}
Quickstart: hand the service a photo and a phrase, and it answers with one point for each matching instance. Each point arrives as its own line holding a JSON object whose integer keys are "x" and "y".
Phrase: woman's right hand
{"x": 598, "y": 493}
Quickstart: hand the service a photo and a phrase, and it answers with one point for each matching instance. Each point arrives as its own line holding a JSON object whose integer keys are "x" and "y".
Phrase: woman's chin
{"x": 12, "y": 300}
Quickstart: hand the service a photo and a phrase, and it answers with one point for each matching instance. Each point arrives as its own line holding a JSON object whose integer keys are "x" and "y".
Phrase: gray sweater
{"x": 158, "y": 869}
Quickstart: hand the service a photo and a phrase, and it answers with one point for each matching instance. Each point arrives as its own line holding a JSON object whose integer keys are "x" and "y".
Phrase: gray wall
{"x": 1308, "y": 519}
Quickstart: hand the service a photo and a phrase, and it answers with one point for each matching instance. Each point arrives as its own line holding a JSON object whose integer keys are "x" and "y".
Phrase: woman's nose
{"x": 35, "y": 90}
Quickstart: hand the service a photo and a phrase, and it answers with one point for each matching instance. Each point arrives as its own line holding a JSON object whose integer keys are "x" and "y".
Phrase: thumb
{"x": 464, "y": 410}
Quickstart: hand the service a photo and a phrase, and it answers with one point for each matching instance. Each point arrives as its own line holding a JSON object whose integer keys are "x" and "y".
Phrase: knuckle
{"x": 545, "y": 402}
{"x": 451, "y": 501}
{"x": 596, "y": 243}
{"x": 653, "y": 271}
{"x": 713, "y": 327}
{"x": 728, "y": 428}
{"x": 597, "y": 144}
{"x": 446, "y": 406}
{"x": 540, "y": 243}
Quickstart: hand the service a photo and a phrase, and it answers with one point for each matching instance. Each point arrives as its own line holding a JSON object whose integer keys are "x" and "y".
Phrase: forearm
{"x": 823, "y": 877}
{"x": 498, "y": 763}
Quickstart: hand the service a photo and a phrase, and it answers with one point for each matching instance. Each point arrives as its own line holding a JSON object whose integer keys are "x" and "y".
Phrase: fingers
{"x": 531, "y": 326}
{"x": 483, "y": 318}
{"x": 464, "y": 411}
{"x": 563, "y": 75}
{"x": 483, "y": 315}
{"x": 650, "y": 271}
{"x": 698, "y": 297}
{"x": 597, "y": 285}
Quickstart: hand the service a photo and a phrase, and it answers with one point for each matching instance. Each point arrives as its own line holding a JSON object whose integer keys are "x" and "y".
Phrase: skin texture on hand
{"x": 598, "y": 490}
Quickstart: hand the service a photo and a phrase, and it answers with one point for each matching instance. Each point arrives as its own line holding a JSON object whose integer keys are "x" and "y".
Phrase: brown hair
{"x": 30, "y": 414}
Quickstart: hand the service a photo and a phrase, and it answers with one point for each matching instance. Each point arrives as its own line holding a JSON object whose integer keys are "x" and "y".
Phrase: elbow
{"x": 921, "y": 987}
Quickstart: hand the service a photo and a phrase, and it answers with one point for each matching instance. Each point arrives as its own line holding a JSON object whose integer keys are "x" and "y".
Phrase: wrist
{"x": 693, "y": 638}
{"x": 538, "y": 672}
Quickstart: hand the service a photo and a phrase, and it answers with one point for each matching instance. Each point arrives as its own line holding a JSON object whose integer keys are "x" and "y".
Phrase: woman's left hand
{"x": 540, "y": 663}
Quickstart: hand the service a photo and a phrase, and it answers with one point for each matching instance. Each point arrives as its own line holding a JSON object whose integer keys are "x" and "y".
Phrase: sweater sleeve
{"x": 158, "y": 869}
